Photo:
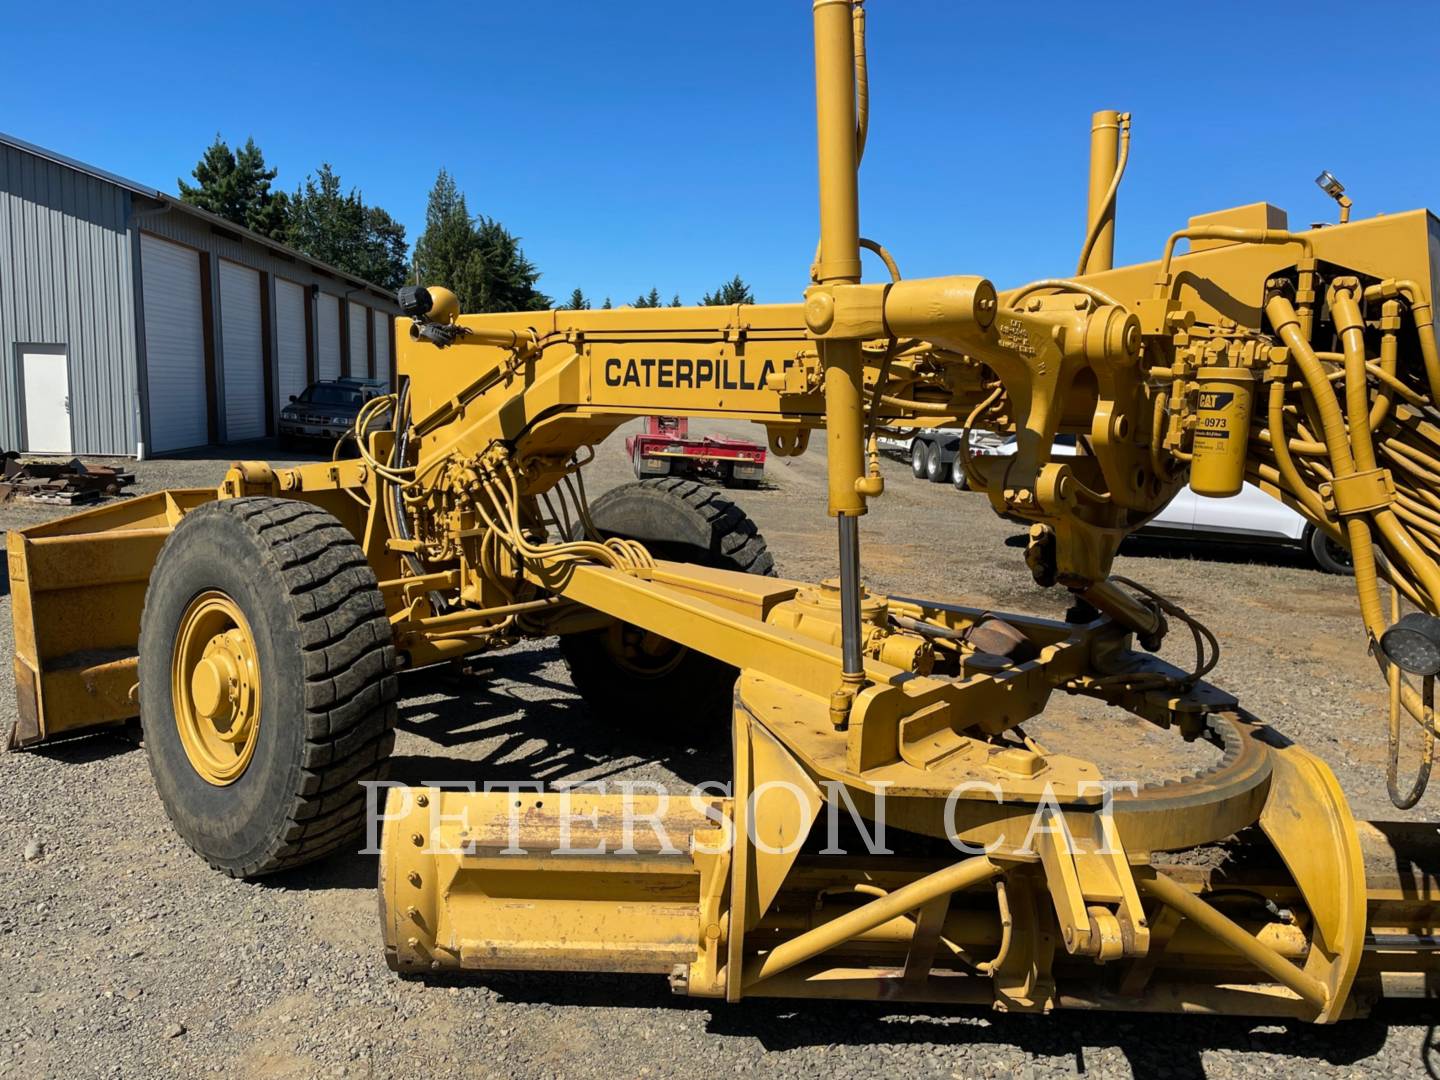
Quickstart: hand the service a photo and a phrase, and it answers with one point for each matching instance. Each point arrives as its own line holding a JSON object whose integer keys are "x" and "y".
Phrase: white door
{"x": 359, "y": 347}
{"x": 242, "y": 353}
{"x": 289, "y": 340}
{"x": 327, "y": 316}
{"x": 46, "y": 375}
{"x": 383, "y": 328}
{"x": 174, "y": 345}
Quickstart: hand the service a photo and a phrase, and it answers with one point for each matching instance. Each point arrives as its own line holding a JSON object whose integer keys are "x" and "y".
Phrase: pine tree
{"x": 237, "y": 188}
{"x": 338, "y": 228}
{"x": 443, "y": 251}
{"x": 266, "y": 212}
{"x": 577, "y": 302}
{"x": 607, "y": 306}
{"x": 648, "y": 300}
{"x": 475, "y": 256}
{"x": 675, "y": 301}
{"x": 734, "y": 291}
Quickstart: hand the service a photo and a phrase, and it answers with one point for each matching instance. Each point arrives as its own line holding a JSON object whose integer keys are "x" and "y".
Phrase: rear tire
{"x": 322, "y": 683}
{"x": 1328, "y": 555}
{"x": 935, "y": 470}
{"x": 919, "y": 449}
{"x": 630, "y": 676}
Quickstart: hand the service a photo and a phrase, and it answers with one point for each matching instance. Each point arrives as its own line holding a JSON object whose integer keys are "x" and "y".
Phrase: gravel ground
{"x": 121, "y": 954}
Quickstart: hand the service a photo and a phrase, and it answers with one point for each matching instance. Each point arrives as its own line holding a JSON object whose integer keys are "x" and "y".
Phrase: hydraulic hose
{"x": 1422, "y": 315}
{"x": 1362, "y": 547}
{"x": 1357, "y": 389}
{"x": 1308, "y": 497}
{"x": 1357, "y": 410}
{"x": 862, "y": 82}
{"x": 1234, "y": 233}
{"x": 1063, "y": 285}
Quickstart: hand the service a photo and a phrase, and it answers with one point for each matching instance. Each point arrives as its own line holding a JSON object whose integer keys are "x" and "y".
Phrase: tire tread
{"x": 348, "y": 657}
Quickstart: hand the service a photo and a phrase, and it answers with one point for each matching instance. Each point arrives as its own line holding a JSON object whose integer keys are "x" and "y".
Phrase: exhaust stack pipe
{"x": 1109, "y": 149}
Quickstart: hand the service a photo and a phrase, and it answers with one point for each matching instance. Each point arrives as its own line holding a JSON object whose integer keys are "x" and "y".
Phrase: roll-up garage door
{"x": 241, "y": 353}
{"x": 174, "y": 345}
{"x": 382, "y": 328}
{"x": 327, "y": 317}
{"x": 290, "y": 339}
{"x": 359, "y": 340}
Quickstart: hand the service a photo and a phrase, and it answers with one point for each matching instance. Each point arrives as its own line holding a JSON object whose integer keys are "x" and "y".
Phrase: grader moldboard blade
{"x": 1029, "y": 906}
{"x": 279, "y": 610}
{"x": 77, "y": 586}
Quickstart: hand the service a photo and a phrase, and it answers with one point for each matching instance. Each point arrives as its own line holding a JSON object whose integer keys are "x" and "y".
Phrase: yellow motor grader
{"x": 258, "y": 630}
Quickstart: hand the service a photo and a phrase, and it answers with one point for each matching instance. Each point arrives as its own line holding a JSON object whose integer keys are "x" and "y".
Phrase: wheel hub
{"x": 642, "y": 652}
{"x": 215, "y": 686}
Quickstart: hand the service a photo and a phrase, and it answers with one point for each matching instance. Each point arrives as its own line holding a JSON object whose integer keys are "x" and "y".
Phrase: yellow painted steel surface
{"x": 77, "y": 586}
{"x": 215, "y": 687}
{"x": 469, "y": 503}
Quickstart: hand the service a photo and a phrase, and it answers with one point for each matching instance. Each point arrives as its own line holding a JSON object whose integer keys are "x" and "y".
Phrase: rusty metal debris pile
{"x": 67, "y": 483}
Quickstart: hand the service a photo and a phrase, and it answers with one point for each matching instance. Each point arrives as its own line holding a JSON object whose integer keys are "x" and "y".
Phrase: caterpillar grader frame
{"x": 257, "y": 630}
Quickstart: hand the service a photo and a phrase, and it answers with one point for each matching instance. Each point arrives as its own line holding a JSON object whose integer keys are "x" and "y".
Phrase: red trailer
{"x": 665, "y": 448}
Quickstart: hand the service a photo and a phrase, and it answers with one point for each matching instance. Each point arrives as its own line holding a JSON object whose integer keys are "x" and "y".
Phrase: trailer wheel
{"x": 935, "y": 470}
{"x": 643, "y": 471}
{"x": 629, "y": 675}
{"x": 958, "y": 476}
{"x": 267, "y": 683}
{"x": 919, "y": 458}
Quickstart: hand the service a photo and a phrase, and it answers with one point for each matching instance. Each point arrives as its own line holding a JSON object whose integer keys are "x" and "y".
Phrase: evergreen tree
{"x": 650, "y": 300}
{"x": 577, "y": 302}
{"x": 734, "y": 291}
{"x": 606, "y": 306}
{"x": 475, "y": 256}
{"x": 338, "y": 228}
{"x": 675, "y": 301}
{"x": 237, "y": 188}
{"x": 442, "y": 254}
{"x": 509, "y": 277}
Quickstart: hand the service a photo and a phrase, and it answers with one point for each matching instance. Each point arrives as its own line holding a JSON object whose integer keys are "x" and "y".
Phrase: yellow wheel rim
{"x": 215, "y": 685}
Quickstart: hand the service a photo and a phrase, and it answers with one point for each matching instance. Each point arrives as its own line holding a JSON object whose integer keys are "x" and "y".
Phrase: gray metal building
{"x": 132, "y": 324}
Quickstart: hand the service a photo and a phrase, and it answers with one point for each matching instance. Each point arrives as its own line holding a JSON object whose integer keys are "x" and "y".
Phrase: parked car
{"x": 327, "y": 409}
{"x": 1251, "y": 517}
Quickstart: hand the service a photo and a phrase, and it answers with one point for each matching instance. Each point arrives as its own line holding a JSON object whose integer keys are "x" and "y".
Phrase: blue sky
{"x": 640, "y": 142}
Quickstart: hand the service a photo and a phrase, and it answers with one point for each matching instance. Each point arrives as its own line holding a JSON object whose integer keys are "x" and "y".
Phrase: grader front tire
{"x": 629, "y": 675}
{"x": 267, "y": 683}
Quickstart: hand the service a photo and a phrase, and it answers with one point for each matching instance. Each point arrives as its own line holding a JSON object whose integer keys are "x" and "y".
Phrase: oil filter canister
{"x": 1222, "y": 431}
